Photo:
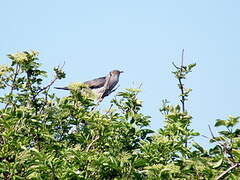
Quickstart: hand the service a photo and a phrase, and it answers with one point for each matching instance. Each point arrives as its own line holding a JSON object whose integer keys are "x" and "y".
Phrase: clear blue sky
{"x": 142, "y": 38}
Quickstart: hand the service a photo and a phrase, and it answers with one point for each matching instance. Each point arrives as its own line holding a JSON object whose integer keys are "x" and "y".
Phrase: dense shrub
{"x": 46, "y": 137}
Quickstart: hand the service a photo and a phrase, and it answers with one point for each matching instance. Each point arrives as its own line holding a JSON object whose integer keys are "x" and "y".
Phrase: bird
{"x": 102, "y": 86}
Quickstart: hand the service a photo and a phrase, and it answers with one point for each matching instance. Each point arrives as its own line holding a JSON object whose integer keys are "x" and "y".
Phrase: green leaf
{"x": 233, "y": 121}
{"x": 197, "y": 146}
{"x": 190, "y": 66}
{"x": 217, "y": 163}
{"x": 236, "y": 153}
{"x": 220, "y": 123}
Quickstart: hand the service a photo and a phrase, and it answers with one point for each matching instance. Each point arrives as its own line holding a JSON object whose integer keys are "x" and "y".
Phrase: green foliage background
{"x": 46, "y": 137}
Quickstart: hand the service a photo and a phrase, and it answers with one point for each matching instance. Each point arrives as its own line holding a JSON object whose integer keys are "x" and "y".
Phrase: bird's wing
{"x": 111, "y": 82}
{"x": 96, "y": 83}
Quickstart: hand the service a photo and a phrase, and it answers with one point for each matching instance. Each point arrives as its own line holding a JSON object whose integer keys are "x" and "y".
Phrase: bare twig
{"x": 228, "y": 170}
{"x": 89, "y": 146}
{"x": 175, "y": 65}
{"x": 183, "y": 96}
{"x": 109, "y": 109}
{"x": 224, "y": 146}
{"x": 205, "y": 137}
{"x": 140, "y": 85}
{"x": 209, "y": 127}
{"x": 182, "y": 58}
{"x": 49, "y": 85}
{"x": 52, "y": 82}
{"x": 180, "y": 77}
{"x": 180, "y": 82}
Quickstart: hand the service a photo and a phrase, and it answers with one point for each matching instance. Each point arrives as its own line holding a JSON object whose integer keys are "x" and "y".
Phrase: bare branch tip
{"x": 182, "y": 57}
{"x": 175, "y": 65}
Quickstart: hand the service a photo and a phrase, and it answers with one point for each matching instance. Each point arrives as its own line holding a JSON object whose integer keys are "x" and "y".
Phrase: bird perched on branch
{"x": 102, "y": 86}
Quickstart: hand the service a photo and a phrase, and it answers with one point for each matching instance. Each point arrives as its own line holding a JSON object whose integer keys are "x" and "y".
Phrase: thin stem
{"x": 52, "y": 82}
{"x": 180, "y": 82}
{"x": 109, "y": 109}
{"x": 229, "y": 169}
{"x": 209, "y": 127}
{"x": 182, "y": 57}
{"x": 94, "y": 140}
{"x": 182, "y": 94}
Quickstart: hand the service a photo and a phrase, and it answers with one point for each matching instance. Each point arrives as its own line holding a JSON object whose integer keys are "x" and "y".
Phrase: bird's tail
{"x": 63, "y": 88}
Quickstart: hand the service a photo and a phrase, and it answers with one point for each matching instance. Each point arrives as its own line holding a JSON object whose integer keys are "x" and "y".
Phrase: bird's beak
{"x": 121, "y": 71}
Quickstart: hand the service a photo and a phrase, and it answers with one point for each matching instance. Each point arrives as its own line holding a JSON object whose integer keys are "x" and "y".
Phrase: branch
{"x": 180, "y": 77}
{"x": 206, "y": 137}
{"x": 224, "y": 146}
{"x": 209, "y": 127}
{"x": 175, "y": 66}
{"x": 183, "y": 96}
{"x": 94, "y": 140}
{"x": 52, "y": 82}
{"x": 228, "y": 170}
{"x": 181, "y": 84}
{"x": 139, "y": 87}
{"x": 182, "y": 58}
{"x": 49, "y": 85}
{"x": 109, "y": 109}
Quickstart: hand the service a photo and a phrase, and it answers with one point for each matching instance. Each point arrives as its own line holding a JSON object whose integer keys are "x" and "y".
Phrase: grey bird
{"x": 103, "y": 86}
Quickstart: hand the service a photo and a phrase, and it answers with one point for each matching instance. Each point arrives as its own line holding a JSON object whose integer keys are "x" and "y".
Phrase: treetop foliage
{"x": 43, "y": 136}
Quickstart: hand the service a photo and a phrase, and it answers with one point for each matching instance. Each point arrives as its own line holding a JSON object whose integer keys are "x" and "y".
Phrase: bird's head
{"x": 116, "y": 72}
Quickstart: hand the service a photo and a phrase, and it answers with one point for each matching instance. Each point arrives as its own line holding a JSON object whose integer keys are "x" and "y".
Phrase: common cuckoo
{"x": 102, "y": 86}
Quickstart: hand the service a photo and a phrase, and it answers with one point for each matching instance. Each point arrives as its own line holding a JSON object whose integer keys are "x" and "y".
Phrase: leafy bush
{"x": 46, "y": 137}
